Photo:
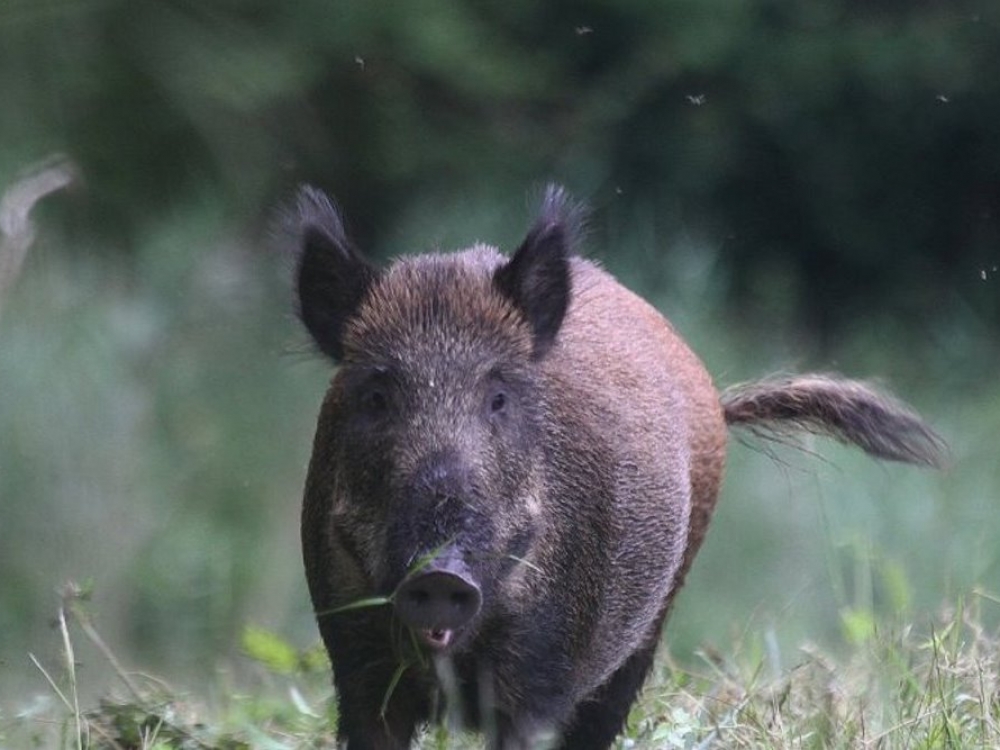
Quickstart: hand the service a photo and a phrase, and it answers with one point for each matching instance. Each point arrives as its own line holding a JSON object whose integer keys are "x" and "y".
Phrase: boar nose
{"x": 442, "y": 595}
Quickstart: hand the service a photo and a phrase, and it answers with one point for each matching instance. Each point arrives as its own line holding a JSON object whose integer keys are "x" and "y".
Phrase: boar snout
{"x": 439, "y": 598}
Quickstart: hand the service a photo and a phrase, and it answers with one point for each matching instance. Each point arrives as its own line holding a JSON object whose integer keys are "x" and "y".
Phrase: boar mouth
{"x": 436, "y": 639}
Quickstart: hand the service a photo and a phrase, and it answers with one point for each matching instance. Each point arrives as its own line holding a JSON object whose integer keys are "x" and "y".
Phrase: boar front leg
{"x": 536, "y": 703}
{"x": 600, "y": 719}
{"x": 361, "y": 723}
{"x": 364, "y": 666}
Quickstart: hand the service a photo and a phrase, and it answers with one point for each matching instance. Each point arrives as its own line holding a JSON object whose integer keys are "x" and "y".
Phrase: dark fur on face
{"x": 436, "y": 387}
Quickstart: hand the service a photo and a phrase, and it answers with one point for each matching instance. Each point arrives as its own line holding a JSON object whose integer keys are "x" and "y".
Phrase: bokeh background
{"x": 798, "y": 184}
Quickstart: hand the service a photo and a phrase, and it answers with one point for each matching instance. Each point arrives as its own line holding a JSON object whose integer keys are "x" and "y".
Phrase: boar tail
{"x": 846, "y": 410}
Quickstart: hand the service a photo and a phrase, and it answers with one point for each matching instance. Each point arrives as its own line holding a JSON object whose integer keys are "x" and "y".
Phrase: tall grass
{"x": 933, "y": 684}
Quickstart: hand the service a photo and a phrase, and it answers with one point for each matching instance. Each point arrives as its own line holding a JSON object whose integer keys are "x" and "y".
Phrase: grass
{"x": 928, "y": 685}
{"x": 905, "y": 686}
{"x": 146, "y": 712}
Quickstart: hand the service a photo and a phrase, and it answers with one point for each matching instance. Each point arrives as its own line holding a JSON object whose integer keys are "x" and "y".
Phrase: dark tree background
{"x": 852, "y": 147}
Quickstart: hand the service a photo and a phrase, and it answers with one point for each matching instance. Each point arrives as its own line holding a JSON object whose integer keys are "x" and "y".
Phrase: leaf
{"x": 314, "y": 660}
{"x": 858, "y": 625}
{"x": 300, "y": 703}
{"x": 270, "y": 650}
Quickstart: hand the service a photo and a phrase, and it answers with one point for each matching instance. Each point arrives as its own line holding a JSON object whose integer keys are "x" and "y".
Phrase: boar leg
{"x": 361, "y": 724}
{"x": 363, "y": 672}
{"x": 600, "y": 718}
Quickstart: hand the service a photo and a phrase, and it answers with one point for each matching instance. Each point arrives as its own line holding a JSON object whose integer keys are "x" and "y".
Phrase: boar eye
{"x": 500, "y": 397}
{"x": 374, "y": 402}
{"x": 499, "y": 402}
{"x": 369, "y": 390}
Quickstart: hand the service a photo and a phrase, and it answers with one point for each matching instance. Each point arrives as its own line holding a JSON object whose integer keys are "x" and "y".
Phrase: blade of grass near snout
{"x": 415, "y": 656}
{"x": 380, "y": 601}
{"x": 371, "y": 601}
{"x": 396, "y": 677}
{"x": 524, "y": 562}
{"x": 424, "y": 560}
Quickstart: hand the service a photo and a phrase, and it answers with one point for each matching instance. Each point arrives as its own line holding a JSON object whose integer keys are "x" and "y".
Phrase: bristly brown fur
{"x": 547, "y": 442}
{"x": 846, "y": 410}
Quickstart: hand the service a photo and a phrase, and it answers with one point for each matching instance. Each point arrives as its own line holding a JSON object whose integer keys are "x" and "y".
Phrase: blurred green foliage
{"x": 797, "y": 183}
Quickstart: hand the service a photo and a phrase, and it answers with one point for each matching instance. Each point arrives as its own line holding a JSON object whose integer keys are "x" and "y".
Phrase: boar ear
{"x": 537, "y": 278}
{"x": 332, "y": 277}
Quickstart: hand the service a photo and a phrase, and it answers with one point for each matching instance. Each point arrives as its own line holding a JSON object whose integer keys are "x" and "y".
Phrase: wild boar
{"x": 514, "y": 466}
